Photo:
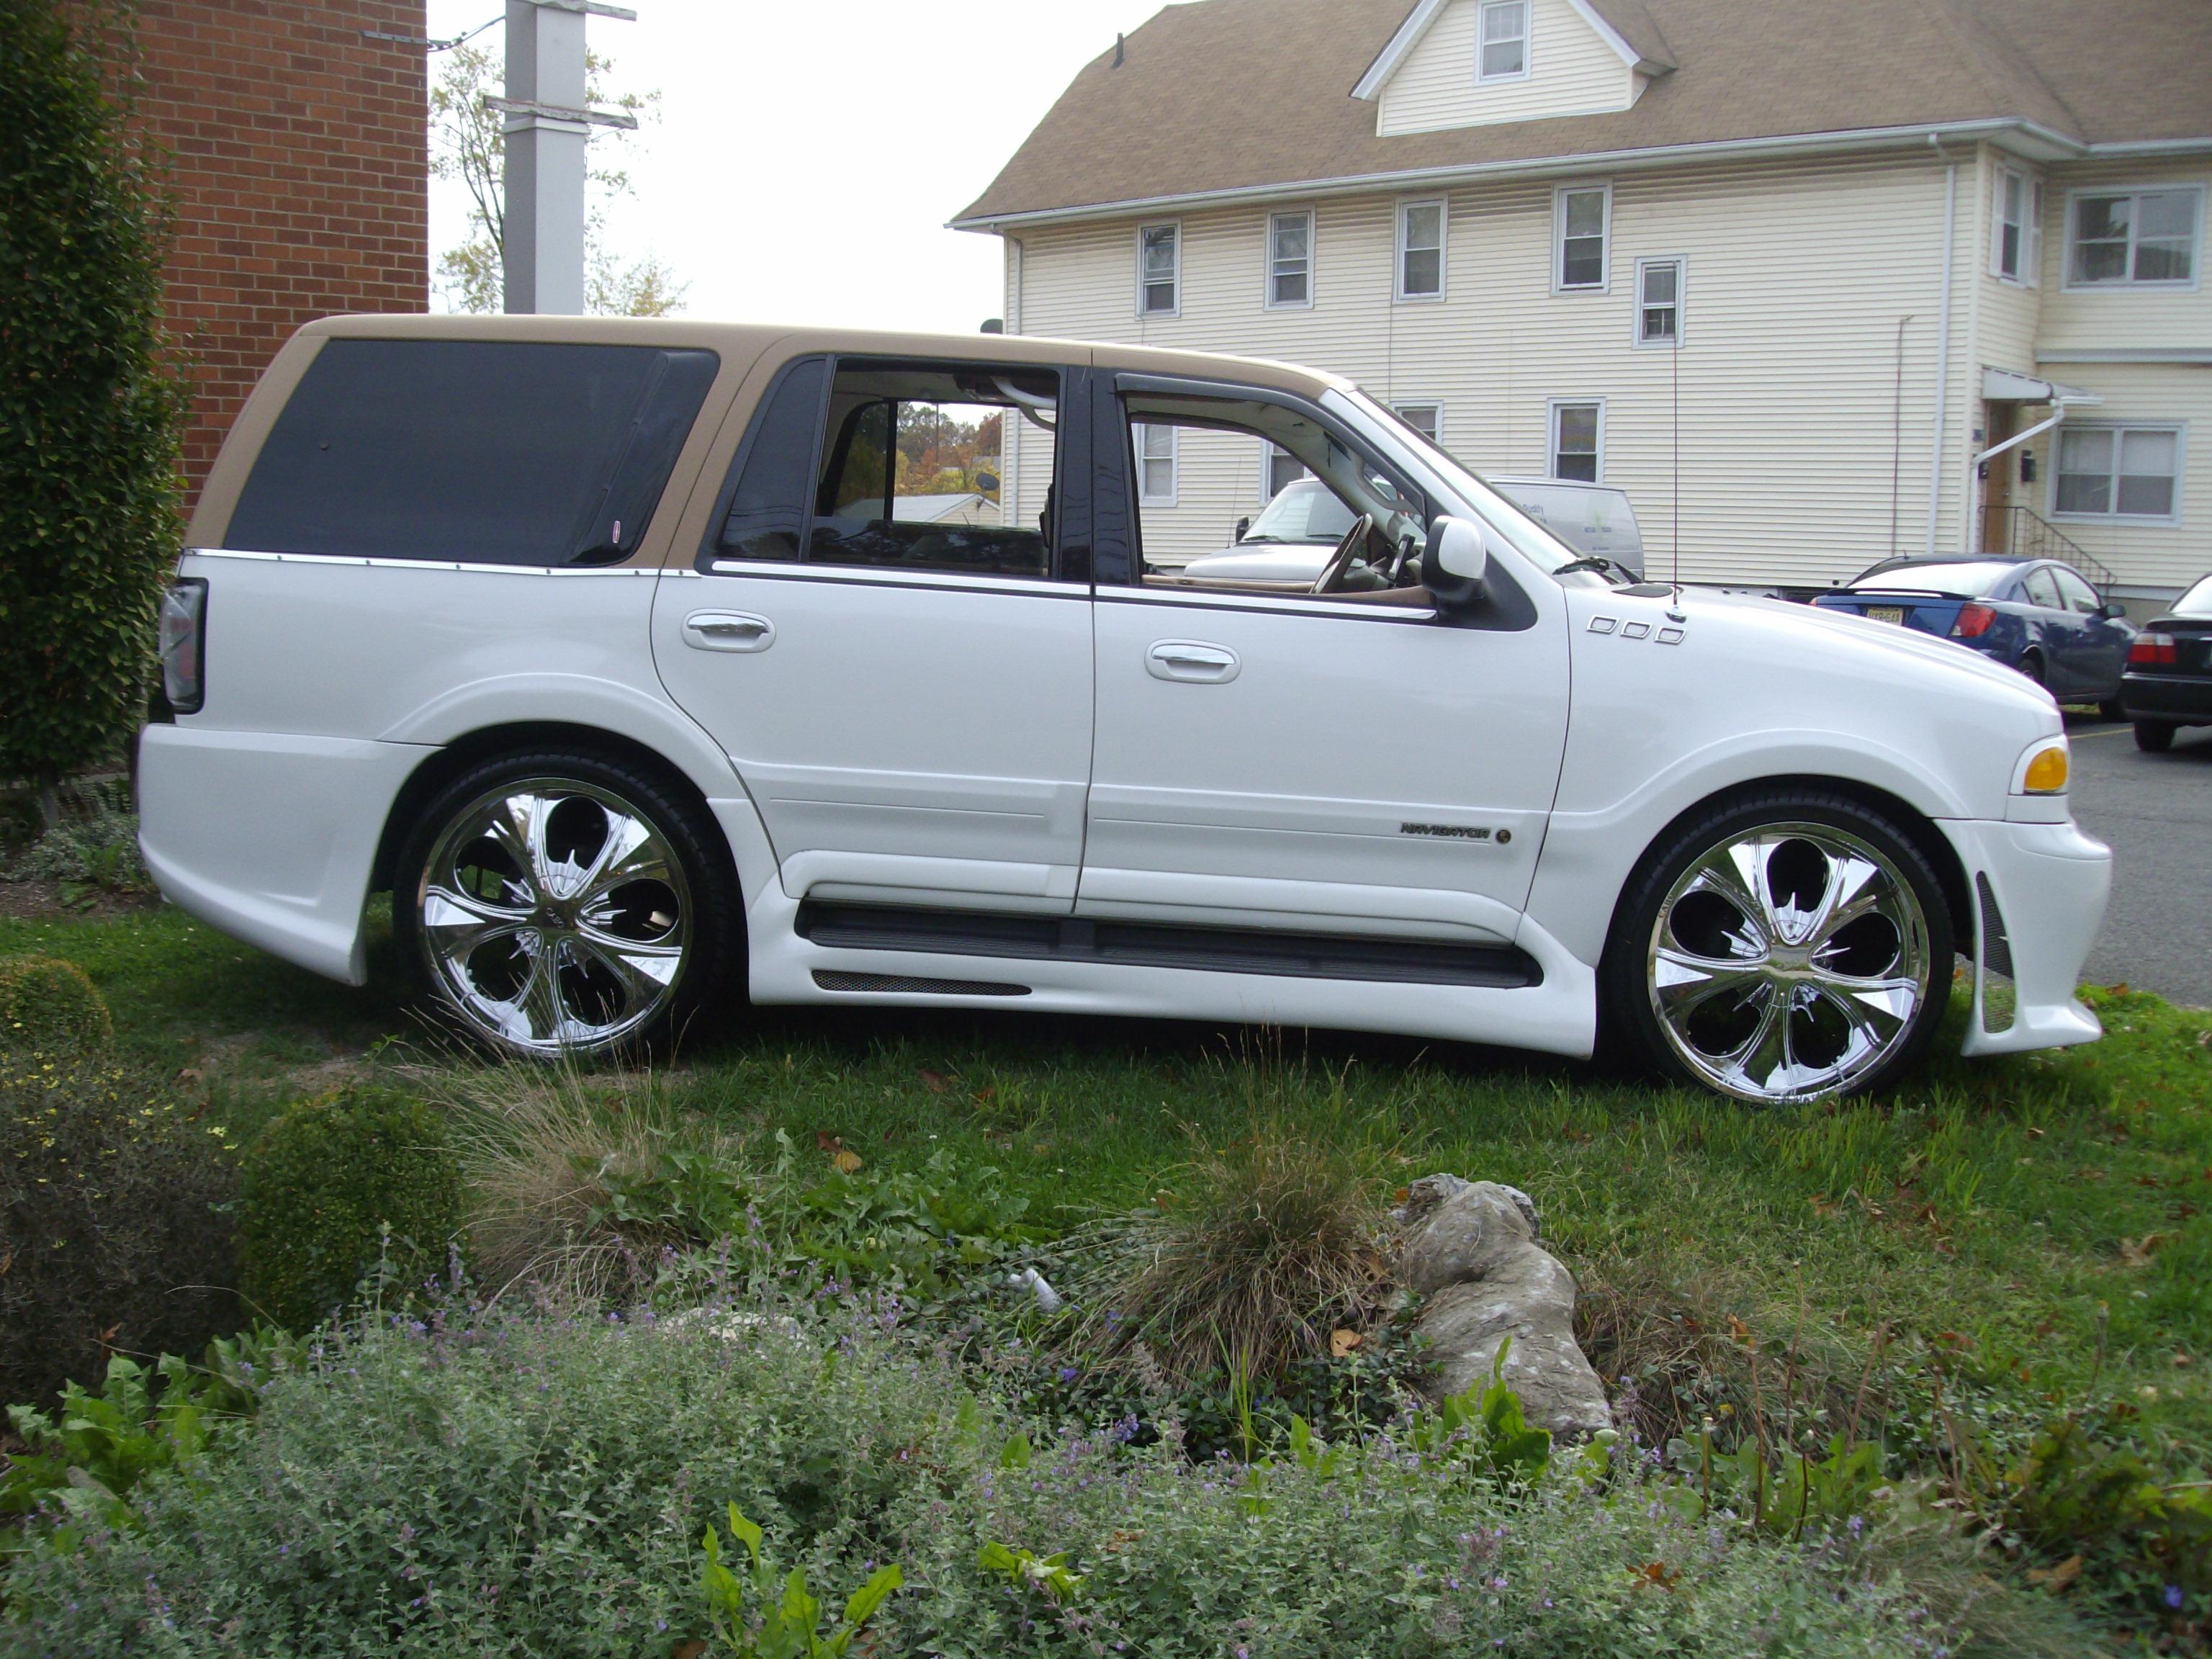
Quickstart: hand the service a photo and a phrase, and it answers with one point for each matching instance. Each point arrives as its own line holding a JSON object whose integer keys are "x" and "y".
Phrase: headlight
{"x": 2045, "y": 769}
{"x": 184, "y": 644}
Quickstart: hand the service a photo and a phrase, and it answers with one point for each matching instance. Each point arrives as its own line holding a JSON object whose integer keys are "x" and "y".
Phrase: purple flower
{"x": 1068, "y": 1373}
{"x": 2174, "y": 1595}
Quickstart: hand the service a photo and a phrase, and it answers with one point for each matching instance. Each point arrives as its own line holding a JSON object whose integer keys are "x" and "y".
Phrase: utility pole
{"x": 547, "y": 126}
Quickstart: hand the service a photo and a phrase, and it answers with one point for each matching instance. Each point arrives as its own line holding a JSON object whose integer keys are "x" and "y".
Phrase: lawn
{"x": 1996, "y": 1243}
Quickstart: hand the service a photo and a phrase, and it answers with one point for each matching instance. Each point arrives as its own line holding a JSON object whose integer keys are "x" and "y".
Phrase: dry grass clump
{"x": 1264, "y": 1248}
{"x": 578, "y": 1181}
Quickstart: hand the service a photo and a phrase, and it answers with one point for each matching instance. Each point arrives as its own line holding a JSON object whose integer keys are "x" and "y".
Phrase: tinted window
{"x": 764, "y": 510}
{"x": 2196, "y": 601}
{"x": 2041, "y": 590}
{"x": 478, "y": 451}
{"x": 1975, "y": 581}
{"x": 2077, "y": 594}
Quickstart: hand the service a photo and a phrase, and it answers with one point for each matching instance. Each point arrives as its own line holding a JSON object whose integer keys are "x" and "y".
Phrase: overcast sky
{"x": 807, "y": 156}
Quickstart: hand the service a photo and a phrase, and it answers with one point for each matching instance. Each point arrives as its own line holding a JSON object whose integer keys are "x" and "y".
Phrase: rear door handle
{"x": 727, "y": 630}
{"x": 1193, "y": 660}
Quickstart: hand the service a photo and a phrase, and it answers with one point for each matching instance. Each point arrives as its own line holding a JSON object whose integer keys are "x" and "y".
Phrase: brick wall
{"x": 301, "y": 173}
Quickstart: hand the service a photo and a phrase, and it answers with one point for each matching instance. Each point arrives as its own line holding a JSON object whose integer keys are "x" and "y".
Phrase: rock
{"x": 1470, "y": 1251}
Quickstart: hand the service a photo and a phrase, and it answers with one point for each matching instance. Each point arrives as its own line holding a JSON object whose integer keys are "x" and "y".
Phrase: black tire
{"x": 2031, "y": 667}
{"x": 2112, "y": 709}
{"x": 1917, "y": 923}
{"x": 2154, "y": 737}
{"x": 701, "y": 895}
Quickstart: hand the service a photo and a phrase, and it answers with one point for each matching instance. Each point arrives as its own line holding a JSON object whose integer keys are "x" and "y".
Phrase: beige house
{"x": 1784, "y": 271}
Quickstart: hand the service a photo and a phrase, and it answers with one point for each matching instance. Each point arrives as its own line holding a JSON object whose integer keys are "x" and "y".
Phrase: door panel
{"x": 1355, "y": 772}
{"x": 918, "y": 736}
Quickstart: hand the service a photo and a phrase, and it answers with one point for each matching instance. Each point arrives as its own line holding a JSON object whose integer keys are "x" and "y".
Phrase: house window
{"x": 1156, "y": 465}
{"x": 1159, "y": 270}
{"x": 1427, "y": 419}
{"x": 1505, "y": 45}
{"x": 2118, "y": 472}
{"x": 2133, "y": 237}
{"x": 1577, "y": 439}
{"x": 1658, "y": 302}
{"x": 1283, "y": 468}
{"x": 1290, "y": 260}
{"x": 1580, "y": 218}
{"x": 1420, "y": 250}
{"x": 2009, "y": 237}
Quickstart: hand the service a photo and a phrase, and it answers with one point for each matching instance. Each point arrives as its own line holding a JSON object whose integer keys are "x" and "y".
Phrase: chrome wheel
{"x": 1788, "y": 962}
{"x": 554, "y": 915}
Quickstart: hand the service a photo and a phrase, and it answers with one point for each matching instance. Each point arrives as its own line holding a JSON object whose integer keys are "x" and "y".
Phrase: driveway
{"x": 2155, "y": 813}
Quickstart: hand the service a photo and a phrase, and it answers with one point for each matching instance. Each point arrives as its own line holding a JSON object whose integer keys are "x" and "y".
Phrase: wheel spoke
{"x": 645, "y": 971}
{"x": 1764, "y": 1055}
{"x": 1856, "y": 888}
{"x": 1685, "y": 981}
{"x": 631, "y": 853}
{"x": 1734, "y": 875}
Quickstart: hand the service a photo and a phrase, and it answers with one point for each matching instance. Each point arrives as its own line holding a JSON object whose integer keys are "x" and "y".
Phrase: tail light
{"x": 1973, "y": 621}
{"x": 2151, "y": 651}
{"x": 184, "y": 645}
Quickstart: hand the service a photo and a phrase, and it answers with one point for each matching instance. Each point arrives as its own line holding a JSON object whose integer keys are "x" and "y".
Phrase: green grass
{"x": 2041, "y": 1223}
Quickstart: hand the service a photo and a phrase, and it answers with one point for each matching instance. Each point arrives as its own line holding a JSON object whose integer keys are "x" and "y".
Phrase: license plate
{"x": 1888, "y": 613}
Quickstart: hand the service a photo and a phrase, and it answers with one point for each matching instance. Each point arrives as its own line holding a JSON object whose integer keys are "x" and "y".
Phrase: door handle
{"x": 1193, "y": 660}
{"x": 727, "y": 630}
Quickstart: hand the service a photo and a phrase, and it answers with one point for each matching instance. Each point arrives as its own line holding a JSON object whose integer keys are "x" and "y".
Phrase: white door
{"x": 909, "y": 702}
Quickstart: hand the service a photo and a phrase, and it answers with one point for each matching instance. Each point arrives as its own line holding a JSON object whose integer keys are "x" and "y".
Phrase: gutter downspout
{"x": 2058, "y": 407}
{"x": 1943, "y": 341}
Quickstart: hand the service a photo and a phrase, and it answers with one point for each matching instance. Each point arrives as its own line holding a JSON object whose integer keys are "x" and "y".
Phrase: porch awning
{"x": 2002, "y": 386}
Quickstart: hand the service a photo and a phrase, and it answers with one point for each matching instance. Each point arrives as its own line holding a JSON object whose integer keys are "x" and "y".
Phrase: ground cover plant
{"x": 1992, "y": 1277}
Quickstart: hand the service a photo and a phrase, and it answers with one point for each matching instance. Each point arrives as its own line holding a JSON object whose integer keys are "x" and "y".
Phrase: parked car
{"x": 2168, "y": 684}
{"x": 1293, "y": 536}
{"x": 2037, "y": 616}
{"x": 600, "y": 644}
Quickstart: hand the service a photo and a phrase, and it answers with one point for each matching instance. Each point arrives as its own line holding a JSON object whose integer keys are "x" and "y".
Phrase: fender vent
{"x": 1998, "y": 999}
{"x": 889, "y": 984}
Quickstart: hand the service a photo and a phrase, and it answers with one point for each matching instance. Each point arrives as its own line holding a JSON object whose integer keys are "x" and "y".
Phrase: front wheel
{"x": 1781, "y": 949}
{"x": 559, "y": 903}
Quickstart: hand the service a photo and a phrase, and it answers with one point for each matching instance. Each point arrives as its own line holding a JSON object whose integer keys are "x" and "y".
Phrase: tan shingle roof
{"x": 1230, "y": 94}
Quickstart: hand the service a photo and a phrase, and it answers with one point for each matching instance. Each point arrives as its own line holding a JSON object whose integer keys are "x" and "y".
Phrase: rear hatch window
{"x": 472, "y": 451}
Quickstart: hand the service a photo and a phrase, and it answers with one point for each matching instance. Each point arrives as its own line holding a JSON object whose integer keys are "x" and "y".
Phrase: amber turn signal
{"x": 2046, "y": 773}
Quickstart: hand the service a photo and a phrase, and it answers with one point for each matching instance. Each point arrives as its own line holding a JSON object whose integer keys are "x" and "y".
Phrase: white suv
{"x": 638, "y": 661}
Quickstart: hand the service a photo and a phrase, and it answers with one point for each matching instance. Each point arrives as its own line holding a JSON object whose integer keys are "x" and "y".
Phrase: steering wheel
{"x": 1332, "y": 574}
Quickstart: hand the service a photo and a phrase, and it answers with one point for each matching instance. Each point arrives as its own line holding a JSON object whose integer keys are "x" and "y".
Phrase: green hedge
{"x": 91, "y": 412}
{"x": 48, "y": 1006}
{"x": 355, "y": 1182}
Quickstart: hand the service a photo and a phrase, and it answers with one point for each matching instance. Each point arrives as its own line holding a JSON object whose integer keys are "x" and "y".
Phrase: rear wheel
{"x": 562, "y": 902}
{"x": 1781, "y": 949}
{"x": 2031, "y": 666}
{"x": 2154, "y": 737}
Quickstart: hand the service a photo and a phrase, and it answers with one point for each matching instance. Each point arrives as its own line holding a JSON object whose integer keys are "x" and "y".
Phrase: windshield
{"x": 1306, "y": 511}
{"x": 1976, "y": 581}
{"x": 1530, "y": 539}
{"x": 2196, "y": 603}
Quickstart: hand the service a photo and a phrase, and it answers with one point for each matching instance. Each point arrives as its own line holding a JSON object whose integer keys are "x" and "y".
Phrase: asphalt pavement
{"x": 2154, "y": 811}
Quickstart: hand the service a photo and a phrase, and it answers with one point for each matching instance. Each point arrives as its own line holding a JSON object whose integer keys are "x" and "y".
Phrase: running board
{"x": 1147, "y": 945}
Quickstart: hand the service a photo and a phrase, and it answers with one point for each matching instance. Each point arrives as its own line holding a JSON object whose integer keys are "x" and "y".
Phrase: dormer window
{"x": 1504, "y": 43}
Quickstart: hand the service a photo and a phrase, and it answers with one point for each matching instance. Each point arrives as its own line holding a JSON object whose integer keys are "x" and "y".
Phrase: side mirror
{"x": 1455, "y": 563}
{"x": 2111, "y": 612}
{"x": 1243, "y": 525}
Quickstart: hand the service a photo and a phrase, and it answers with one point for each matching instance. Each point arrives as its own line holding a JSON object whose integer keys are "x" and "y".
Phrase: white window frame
{"x": 1267, "y": 448}
{"x": 1175, "y": 225}
{"x": 1551, "y": 435}
{"x": 1681, "y": 303}
{"x": 1136, "y": 431}
{"x": 1527, "y": 40}
{"x": 1442, "y": 205}
{"x": 2113, "y": 517}
{"x": 2067, "y": 281}
{"x": 1604, "y": 283}
{"x": 1999, "y": 224}
{"x": 1405, "y": 412}
{"x": 1267, "y": 299}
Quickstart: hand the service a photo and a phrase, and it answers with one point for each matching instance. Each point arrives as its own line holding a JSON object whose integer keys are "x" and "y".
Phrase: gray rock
{"x": 1470, "y": 1250}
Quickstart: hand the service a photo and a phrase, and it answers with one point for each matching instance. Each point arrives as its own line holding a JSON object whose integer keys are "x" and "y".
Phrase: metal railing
{"x": 2024, "y": 531}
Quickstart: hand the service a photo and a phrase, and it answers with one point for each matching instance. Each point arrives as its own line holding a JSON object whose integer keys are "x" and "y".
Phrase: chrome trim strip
{"x": 1286, "y": 605}
{"x": 422, "y": 564}
{"x": 886, "y": 576}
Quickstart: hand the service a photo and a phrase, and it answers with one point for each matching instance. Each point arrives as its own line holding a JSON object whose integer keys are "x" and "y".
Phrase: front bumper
{"x": 2039, "y": 894}
{"x": 2185, "y": 698}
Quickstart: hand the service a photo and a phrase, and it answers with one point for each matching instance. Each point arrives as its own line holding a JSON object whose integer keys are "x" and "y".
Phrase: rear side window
{"x": 472, "y": 451}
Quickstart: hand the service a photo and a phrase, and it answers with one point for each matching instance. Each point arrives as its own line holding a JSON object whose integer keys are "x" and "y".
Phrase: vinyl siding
{"x": 2157, "y": 557}
{"x": 1793, "y": 373}
{"x": 1572, "y": 71}
{"x": 2091, "y": 319}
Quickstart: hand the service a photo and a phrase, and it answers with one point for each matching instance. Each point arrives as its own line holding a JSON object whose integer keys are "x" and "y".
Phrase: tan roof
{"x": 1221, "y": 95}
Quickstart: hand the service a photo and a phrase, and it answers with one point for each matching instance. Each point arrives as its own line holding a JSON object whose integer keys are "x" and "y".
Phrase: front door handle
{"x": 1193, "y": 660}
{"x": 727, "y": 630}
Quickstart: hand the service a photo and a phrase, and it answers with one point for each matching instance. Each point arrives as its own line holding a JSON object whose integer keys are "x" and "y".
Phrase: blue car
{"x": 2037, "y": 616}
